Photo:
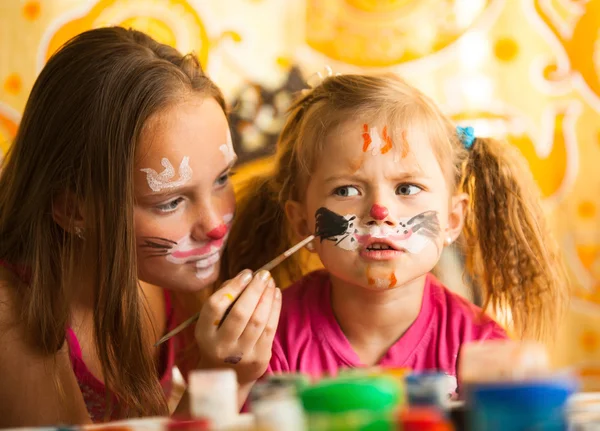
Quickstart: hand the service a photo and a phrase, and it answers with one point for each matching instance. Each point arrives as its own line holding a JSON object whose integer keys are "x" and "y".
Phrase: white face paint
{"x": 203, "y": 254}
{"x": 164, "y": 180}
{"x": 227, "y": 149}
{"x": 411, "y": 233}
{"x": 380, "y": 144}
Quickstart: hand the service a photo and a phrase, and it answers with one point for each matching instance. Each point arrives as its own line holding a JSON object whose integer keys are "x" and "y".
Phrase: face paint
{"x": 379, "y": 212}
{"x": 381, "y": 281}
{"x": 204, "y": 254}
{"x": 330, "y": 224}
{"x": 409, "y": 234}
{"x": 158, "y": 182}
{"x": 375, "y": 143}
{"x": 227, "y": 149}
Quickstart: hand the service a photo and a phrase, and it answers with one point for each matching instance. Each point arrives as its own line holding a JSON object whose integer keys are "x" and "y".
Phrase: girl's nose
{"x": 218, "y": 232}
{"x": 379, "y": 212}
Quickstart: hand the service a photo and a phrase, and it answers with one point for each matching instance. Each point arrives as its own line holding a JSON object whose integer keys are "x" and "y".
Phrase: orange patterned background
{"x": 524, "y": 70}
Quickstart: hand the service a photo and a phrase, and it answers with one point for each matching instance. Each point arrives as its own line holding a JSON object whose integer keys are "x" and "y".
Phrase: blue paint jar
{"x": 539, "y": 405}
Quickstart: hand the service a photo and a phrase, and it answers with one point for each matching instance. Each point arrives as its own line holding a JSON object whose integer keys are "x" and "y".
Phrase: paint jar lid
{"x": 298, "y": 381}
{"x": 423, "y": 419}
{"x": 521, "y": 405}
{"x": 180, "y": 424}
{"x": 374, "y": 394}
{"x": 209, "y": 381}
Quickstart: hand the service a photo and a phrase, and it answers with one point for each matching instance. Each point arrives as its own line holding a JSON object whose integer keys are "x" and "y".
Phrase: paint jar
{"x": 520, "y": 405}
{"x": 180, "y": 424}
{"x": 502, "y": 360}
{"x": 275, "y": 406}
{"x": 298, "y": 381}
{"x": 423, "y": 419}
{"x": 350, "y": 404}
{"x": 430, "y": 389}
{"x": 584, "y": 412}
{"x": 213, "y": 396}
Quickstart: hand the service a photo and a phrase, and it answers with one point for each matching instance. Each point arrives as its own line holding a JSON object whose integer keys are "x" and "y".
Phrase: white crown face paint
{"x": 164, "y": 180}
{"x": 411, "y": 233}
{"x": 227, "y": 149}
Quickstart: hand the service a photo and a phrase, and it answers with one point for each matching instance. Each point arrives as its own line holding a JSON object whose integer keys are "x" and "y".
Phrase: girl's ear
{"x": 296, "y": 215}
{"x": 456, "y": 216}
{"x": 67, "y": 212}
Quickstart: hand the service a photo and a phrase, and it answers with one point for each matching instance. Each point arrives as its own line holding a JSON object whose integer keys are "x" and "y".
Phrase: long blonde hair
{"x": 509, "y": 250}
{"x": 79, "y": 134}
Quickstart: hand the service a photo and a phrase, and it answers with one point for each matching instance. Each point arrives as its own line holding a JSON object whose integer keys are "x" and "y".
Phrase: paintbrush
{"x": 328, "y": 225}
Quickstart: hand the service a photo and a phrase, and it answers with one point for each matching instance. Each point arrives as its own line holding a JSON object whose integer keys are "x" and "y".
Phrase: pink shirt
{"x": 94, "y": 391}
{"x": 310, "y": 340}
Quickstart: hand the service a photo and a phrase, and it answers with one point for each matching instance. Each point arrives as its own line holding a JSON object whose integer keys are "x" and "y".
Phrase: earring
{"x": 79, "y": 232}
{"x": 310, "y": 246}
{"x": 448, "y": 240}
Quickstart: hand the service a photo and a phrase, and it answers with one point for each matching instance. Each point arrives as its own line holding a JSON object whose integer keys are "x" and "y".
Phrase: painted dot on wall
{"x": 506, "y": 49}
{"x": 586, "y": 210}
{"x": 13, "y": 84}
{"x": 31, "y": 10}
{"x": 284, "y": 62}
{"x": 589, "y": 341}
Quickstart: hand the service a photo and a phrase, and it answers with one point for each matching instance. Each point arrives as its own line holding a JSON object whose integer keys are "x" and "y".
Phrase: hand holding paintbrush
{"x": 328, "y": 225}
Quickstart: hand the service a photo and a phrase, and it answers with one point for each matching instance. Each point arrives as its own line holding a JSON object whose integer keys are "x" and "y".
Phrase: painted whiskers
{"x": 157, "y": 246}
{"x": 411, "y": 234}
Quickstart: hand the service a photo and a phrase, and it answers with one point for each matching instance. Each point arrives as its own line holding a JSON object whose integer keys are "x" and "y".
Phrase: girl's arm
{"x": 35, "y": 389}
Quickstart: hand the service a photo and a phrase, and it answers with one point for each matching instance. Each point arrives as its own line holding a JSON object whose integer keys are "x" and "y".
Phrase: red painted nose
{"x": 218, "y": 232}
{"x": 379, "y": 212}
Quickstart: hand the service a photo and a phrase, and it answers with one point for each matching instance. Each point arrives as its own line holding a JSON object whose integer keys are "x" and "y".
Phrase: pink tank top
{"x": 93, "y": 390}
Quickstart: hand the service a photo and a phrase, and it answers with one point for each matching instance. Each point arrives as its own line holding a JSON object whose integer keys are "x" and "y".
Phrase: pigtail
{"x": 510, "y": 252}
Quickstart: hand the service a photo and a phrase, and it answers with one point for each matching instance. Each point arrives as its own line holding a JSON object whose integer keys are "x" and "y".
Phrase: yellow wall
{"x": 525, "y": 70}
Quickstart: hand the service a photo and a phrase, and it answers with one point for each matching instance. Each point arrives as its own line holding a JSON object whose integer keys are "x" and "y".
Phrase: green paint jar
{"x": 352, "y": 404}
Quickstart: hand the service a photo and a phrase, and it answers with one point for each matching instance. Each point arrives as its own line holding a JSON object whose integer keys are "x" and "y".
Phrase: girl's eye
{"x": 346, "y": 191}
{"x": 170, "y": 206}
{"x": 407, "y": 189}
{"x": 223, "y": 179}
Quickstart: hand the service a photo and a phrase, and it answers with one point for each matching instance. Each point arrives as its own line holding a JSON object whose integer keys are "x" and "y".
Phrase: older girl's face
{"x": 184, "y": 198}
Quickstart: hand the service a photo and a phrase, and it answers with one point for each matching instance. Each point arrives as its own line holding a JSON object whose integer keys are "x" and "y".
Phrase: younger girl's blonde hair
{"x": 509, "y": 251}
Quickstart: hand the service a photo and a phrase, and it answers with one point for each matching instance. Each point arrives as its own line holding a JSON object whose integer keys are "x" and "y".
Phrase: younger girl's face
{"x": 184, "y": 199}
{"x": 388, "y": 188}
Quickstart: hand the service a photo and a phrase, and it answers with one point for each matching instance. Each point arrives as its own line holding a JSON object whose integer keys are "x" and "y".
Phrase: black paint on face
{"x": 330, "y": 224}
{"x": 157, "y": 246}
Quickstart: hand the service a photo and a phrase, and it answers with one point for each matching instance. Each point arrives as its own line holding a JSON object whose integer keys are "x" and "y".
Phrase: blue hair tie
{"x": 466, "y": 136}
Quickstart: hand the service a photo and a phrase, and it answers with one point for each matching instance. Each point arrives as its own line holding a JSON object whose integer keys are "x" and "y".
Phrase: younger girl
{"x": 116, "y": 188}
{"x": 383, "y": 159}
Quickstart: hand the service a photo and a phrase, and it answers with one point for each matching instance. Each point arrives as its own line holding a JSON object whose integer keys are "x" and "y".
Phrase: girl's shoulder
{"x": 461, "y": 315}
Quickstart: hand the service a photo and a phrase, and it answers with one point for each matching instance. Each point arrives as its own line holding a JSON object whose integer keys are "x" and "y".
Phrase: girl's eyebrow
{"x": 402, "y": 176}
{"x": 229, "y": 167}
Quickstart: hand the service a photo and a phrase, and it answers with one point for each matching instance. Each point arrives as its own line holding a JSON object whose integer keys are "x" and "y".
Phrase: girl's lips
{"x": 199, "y": 252}
{"x": 380, "y": 255}
{"x": 390, "y": 240}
